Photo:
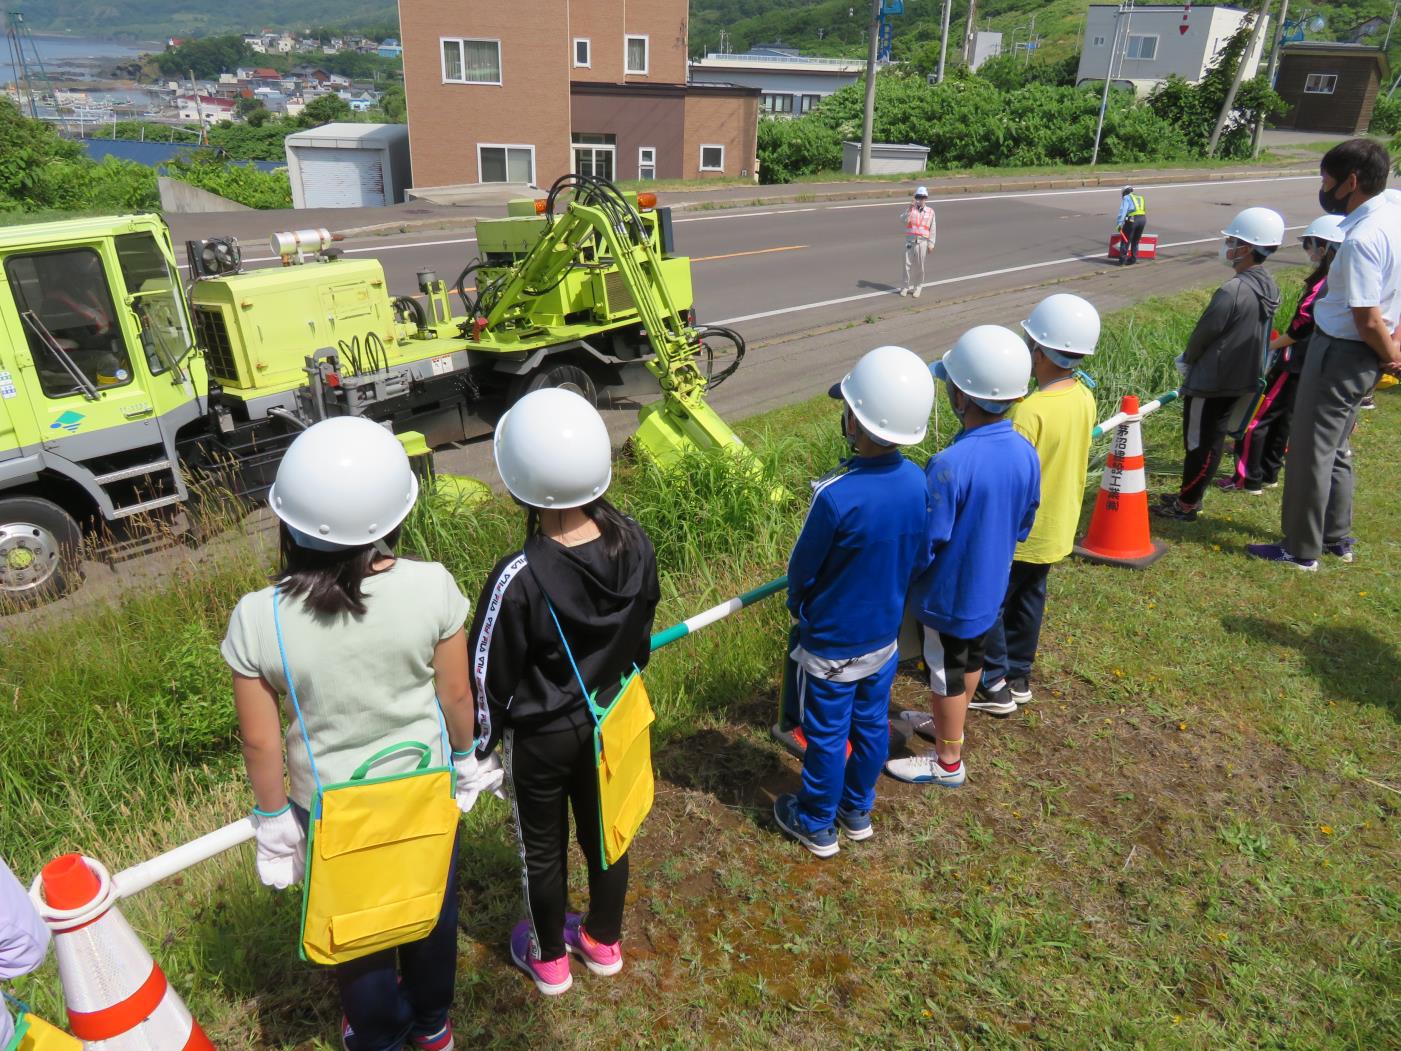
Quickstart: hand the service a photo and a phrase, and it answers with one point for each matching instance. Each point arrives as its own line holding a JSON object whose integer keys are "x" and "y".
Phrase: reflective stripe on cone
{"x": 1119, "y": 533}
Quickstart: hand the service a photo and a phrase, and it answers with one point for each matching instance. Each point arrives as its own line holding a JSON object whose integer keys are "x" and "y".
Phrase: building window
{"x": 712, "y": 158}
{"x": 776, "y": 103}
{"x": 809, "y": 102}
{"x": 596, "y": 155}
{"x": 1142, "y": 47}
{"x": 496, "y": 163}
{"x": 471, "y": 61}
{"x": 1320, "y": 83}
{"x": 581, "y": 52}
{"x": 635, "y": 60}
{"x": 1097, "y": 42}
{"x": 646, "y": 162}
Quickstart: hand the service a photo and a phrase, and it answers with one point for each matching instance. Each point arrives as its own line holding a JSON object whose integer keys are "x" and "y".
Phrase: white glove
{"x": 465, "y": 767}
{"x": 1181, "y": 363}
{"x": 491, "y": 775}
{"x": 281, "y": 848}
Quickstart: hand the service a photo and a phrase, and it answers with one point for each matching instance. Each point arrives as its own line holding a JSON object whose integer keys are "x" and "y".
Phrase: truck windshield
{"x": 68, "y": 294}
{"x": 154, "y": 294}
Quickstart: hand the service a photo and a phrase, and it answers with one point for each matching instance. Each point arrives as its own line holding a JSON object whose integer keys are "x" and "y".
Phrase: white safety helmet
{"x": 1261, "y": 227}
{"x": 1065, "y": 323}
{"x": 343, "y": 482}
{"x": 891, "y": 393}
{"x": 988, "y": 362}
{"x": 552, "y": 450}
{"x": 922, "y": 191}
{"x": 1326, "y": 228}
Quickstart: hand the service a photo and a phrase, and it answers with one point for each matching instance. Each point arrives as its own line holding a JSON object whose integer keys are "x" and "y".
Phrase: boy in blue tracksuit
{"x": 848, "y": 578}
{"x": 983, "y": 493}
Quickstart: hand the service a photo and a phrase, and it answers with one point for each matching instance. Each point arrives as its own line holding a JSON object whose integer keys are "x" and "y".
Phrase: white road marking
{"x": 945, "y": 281}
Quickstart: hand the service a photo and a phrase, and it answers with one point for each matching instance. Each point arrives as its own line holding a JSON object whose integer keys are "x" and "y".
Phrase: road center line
{"x": 756, "y": 251}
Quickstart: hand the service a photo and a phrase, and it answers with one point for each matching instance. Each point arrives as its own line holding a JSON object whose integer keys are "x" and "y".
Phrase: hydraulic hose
{"x": 731, "y": 336}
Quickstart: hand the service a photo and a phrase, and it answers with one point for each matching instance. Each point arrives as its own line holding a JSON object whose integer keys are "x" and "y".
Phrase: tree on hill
{"x": 207, "y": 58}
{"x": 324, "y": 109}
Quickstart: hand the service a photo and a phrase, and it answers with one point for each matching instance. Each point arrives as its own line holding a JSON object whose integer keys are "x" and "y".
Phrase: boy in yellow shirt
{"x": 1058, "y": 420}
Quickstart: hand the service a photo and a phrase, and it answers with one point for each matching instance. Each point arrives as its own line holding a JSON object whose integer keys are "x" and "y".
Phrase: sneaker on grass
{"x": 1170, "y": 506}
{"x": 1021, "y": 689}
{"x": 926, "y": 770}
{"x": 551, "y": 977}
{"x": 600, "y": 958}
{"x": 439, "y": 1041}
{"x": 997, "y": 701}
{"x": 1343, "y": 549}
{"x": 823, "y": 843}
{"x": 855, "y": 824}
{"x": 1277, "y": 553}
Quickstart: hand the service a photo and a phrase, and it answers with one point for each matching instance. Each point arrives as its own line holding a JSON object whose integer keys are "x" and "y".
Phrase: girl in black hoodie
{"x": 595, "y": 569}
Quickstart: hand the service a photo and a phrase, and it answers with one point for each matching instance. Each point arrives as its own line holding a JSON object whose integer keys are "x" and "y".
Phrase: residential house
{"x": 389, "y": 48}
{"x": 254, "y": 42}
{"x": 362, "y": 103}
{"x": 790, "y": 84}
{"x": 307, "y": 46}
{"x": 1140, "y": 47}
{"x": 285, "y": 44}
{"x": 294, "y": 105}
{"x": 335, "y": 80}
{"x": 587, "y": 86}
{"x": 334, "y": 46}
{"x": 1330, "y": 86}
{"x": 209, "y": 107}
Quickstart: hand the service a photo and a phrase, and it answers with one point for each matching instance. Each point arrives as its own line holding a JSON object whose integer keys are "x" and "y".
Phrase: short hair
{"x": 1127, "y": 190}
{"x": 1370, "y": 160}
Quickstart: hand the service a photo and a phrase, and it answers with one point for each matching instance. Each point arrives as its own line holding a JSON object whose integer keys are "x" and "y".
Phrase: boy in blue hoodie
{"x": 983, "y": 493}
{"x": 848, "y": 578}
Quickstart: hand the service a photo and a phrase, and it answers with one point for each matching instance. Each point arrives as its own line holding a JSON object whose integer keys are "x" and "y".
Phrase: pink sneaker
{"x": 598, "y": 957}
{"x": 551, "y": 977}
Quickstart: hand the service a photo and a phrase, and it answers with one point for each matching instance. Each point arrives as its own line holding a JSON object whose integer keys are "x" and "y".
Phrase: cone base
{"x": 1140, "y": 562}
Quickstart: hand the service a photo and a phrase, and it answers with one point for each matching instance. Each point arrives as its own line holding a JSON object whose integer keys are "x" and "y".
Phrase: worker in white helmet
{"x": 574, "y": 604}
{"x": 362, "y": 647}
{"x": 919, "y": 238}
{"x": 848, "y": 577}
{"x": 983, "y": 493}
{"x": 1058, "y": 419}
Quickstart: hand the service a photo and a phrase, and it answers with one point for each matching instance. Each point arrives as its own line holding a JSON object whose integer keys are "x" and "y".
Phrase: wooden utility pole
{"x": 1261, "y": 17}
{"x": 970, "y": 33}
{"x": 943, "y": 41}
{"x": 1274, "y": 65}
{"x": 869, "y": 115}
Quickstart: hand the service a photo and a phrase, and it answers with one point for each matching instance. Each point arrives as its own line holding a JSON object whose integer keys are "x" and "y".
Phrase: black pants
{"x": 1204, "y": 423}
{"x": 1010, "y": 645}
{"x": 547, "y": 774}
{"x": 1133, "y": 233}
{"x": 1260, "y": 453}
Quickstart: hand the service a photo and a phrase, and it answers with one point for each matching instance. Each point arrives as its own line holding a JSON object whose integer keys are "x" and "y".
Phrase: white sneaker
{"x": 915, "y": 291}
{"x": 1021, "y": 690}
{"x": 925, "y": 770}
{"x": 905, "y": 291}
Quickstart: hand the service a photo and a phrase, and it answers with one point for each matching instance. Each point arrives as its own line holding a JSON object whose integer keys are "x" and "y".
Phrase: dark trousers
{"x": 394, "y": 993}
{"x": 1010, "y": 644}
{"x": 1260, "y": 451}
{"x": 548, "y": 773}
{"x": 1204, "y": 424}
{"x": 1133, "y": 233}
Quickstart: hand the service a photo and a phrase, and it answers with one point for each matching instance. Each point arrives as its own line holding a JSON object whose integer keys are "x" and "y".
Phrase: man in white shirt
{"x": 919, "y": 238}
{"x": 1354, "y": 340}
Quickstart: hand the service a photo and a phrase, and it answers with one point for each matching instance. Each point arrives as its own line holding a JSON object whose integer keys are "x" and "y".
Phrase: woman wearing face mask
{"x": 1260, "y": 452}
{"x": 1225, "y": 355}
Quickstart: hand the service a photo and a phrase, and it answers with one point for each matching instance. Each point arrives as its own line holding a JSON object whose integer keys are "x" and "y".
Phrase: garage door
{"x": 334, "y": 178}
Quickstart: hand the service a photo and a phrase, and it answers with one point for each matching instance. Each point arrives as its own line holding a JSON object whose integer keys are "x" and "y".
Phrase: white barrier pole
{"x": 163, "y": 866}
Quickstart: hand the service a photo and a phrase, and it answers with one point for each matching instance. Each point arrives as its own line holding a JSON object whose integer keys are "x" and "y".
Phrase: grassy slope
{"x": 1178, "y": 845}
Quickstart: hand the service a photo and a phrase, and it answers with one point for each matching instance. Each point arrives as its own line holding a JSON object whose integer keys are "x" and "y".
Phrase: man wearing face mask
{"x": 1354, "y": 341}
{"x": 861, "y": 545}
{"x": 1225, "y": 355}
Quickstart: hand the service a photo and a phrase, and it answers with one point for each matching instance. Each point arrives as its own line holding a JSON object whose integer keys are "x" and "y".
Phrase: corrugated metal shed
{"x": 349, "y": 165}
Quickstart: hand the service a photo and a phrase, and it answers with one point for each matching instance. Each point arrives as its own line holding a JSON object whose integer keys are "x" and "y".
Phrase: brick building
{"x": 497, "y": 93}
{"x": 1330, "y": 86}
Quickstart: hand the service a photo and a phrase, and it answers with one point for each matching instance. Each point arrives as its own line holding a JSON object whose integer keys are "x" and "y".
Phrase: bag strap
{"x": 595, "y": 712}
{"x": 292, "y": 693}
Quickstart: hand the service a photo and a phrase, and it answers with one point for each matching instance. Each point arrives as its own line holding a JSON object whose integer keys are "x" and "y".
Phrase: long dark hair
{"x": 612, "y": 523}
{"x": 329, "y": 582}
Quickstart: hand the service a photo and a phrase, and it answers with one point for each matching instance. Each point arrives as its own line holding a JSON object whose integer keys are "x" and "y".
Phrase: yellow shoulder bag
{"x": 622, "y": 744}
{"x": 32, "y": 1033}
{"x": 379, "y": 849}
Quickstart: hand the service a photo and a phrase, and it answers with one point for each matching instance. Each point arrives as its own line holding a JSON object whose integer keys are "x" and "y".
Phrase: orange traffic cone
{"x": 117, "y": 998}
{"x": 1119, "y": 534}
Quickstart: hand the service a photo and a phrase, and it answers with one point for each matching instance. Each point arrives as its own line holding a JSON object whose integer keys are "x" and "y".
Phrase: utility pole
{"x": 943, "y": 41}
{"x": 199, "y": 106}
{"x": 1108, "y": 78}
{"x": 1389, "y": 26}
{"x": 869, "y": 116}
{"x": 1274, "y": 66}
{"x": 1251, "y": 46}
{"x": 970, "y": 34}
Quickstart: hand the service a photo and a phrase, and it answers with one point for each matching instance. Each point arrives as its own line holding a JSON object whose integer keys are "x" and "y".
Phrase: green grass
{"x": 1189, "y": 840}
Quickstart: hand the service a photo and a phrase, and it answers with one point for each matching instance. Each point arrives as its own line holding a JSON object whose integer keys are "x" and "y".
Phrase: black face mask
{"x": 1331, "y": 203}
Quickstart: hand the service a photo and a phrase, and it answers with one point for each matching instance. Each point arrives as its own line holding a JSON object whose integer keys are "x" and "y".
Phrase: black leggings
{"x": 547, "y": 773}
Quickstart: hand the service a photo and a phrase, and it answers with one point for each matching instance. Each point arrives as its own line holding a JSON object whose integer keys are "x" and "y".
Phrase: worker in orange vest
{"x": 919, "y": 238}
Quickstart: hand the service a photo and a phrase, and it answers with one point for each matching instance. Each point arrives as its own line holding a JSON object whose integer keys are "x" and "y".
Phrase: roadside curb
{"x": 793, "y": 194}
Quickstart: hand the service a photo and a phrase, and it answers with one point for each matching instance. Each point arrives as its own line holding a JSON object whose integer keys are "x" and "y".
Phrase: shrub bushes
{"x": 238, "y": 182}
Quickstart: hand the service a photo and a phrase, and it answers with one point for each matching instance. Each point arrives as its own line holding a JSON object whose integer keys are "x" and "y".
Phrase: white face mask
{"x": 1224, "y": 254}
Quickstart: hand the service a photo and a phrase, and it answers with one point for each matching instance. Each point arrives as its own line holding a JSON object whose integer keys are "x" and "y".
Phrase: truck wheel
{"x": 566, "y": 377}
{"x": 38, "y": 549}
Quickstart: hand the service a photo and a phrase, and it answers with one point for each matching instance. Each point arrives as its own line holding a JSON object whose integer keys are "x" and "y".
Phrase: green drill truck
{"x": 119, "y": 385}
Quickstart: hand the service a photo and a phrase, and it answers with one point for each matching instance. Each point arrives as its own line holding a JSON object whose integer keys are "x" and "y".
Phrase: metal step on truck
{"x": 120, "y": 385}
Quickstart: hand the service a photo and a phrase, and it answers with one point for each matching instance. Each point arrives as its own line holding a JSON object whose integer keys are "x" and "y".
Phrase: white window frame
{"x": 712, "y": 146}
{"x": 588, "y": 53}
{"x": 1140, "y": 57}
{"x": 460, "y": 41}
{"x": 1319, "y": 80}
{"x": 505, "y": 146}
{"x": 628, "y": 38}
{"x": 609, "y": 147}
{"x": 645, "y": 163}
